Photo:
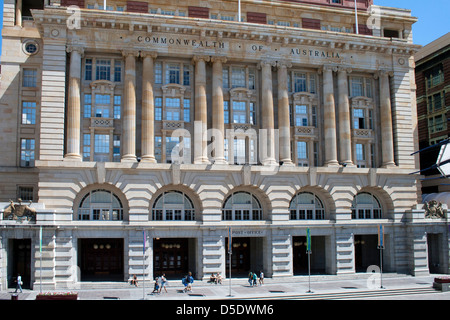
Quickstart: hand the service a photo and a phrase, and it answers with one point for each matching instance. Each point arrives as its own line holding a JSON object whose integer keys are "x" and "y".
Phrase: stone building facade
{"x": 144, "y": 133}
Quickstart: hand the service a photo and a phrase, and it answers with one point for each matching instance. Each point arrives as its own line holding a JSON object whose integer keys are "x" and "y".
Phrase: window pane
{"x": 238, "y": 77}
{"x": 103, "y": 69}
{"x": 28, "y": 112}
{"x": 29, "y": 77}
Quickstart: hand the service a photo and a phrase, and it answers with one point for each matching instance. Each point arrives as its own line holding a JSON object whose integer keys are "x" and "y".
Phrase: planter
{"x": 442, "y": 280}
{"x": 57, "y": 296}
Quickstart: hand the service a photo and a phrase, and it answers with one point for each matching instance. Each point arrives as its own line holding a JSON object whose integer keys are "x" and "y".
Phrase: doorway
{"x": 173, "y": 257}
{"x": 434, "y": 256}
{"x": 366, "y": 252}
{"x": 101, "y": 259}
{"x": 246, "y": 256}
{"x": 300, "y": 257}
{"x": 20, "y": 255}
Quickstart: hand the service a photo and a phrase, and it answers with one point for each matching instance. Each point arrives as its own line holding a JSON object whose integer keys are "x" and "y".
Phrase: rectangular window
{"x": 238, "y": 77}
{"x": 172, "y": 73}
{"x": 28, "y": 112}
{"x": 299, "y": 82}
{"x": 301, "y": 116}
{"x": 27, "y": 147}
{"x": 117, "y": 107}
{"x": 29, "y": 78}
{"x": 251, "y": 79}
{"x": 102, "y": 105}
{"x": 360, "y": 155}
{"x": 103, "y": 69}
{"x": 116, "y": 148}
{"x": 252, "y": 113}
{"x": 158, "y": 72}
{"x": 239, "y": 112}
{"x": 88, "y": 70}
{"x": 158, "y": 149}
{"x": 225, "y": 78}
{"x": 312, "y": 84}
{"x": 186, "y": 75}
{"x": 25, "y": 193}
{"x": 357, "y": 87}
{"x": 226, "y": 111}
{"x": 86, "y": 147}
{"x": 358, "y": 119}
{"x": 239, "y": 151}
{"x": 302, "y": 154}
{"x": 117, "y": 71}
{"x": 101, "y": 147}
{"x": 87, "y": 109}
{"x": 369, "y": 88}
{"x": 187, "y": 110}
{"x": 171, "y": 143}
{"x": 173, "y": 109}
{"x": 158, "y": 108}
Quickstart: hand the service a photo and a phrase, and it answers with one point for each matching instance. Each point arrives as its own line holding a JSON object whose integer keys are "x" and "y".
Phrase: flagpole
{"x": 356, "y": 19}
{"x": 40, "y": 259}
{"x": 229, "y": 255}
{"x": 143, "y": 261}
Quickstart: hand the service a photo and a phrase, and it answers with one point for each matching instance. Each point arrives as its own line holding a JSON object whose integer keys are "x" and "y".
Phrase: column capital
{"x": 328, "y": 67}
{"x": 346, "y": 69}
{"x": 127, "y": 53}
{"x": 150, "y": 54}
{"x": 219, "y": 59}
{"x": 284, "y": 64}
{"x": 75, "y": 48}
{"x": 383, "y": 72}
{"x": 267, "y": 63}
{"x": 198, "y": 58}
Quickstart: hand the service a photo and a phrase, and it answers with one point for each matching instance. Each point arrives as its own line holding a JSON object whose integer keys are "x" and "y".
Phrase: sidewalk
{"x": 356, "y": 286}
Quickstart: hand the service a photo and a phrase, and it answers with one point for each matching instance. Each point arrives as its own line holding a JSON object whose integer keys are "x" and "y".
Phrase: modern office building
{"x": 137, "y": 136}
{"x": 433, "y": 103}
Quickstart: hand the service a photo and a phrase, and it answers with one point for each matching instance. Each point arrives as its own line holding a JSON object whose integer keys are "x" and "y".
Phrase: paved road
{"x": 360, "y": 287}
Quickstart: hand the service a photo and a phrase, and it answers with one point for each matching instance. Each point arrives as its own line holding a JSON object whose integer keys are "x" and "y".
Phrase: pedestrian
{"x": 156, "y": 287}
{"x": 19, "y": 283}
{"x": 218, "y": 278}
{"x": 250, "y": 278}
{"x": 163, "y": 283}
{"x": 190, "y": 281}
{"x": 254, "y": 279}
{"x": 261, "y": 278}
{"x": 134, "y": 281}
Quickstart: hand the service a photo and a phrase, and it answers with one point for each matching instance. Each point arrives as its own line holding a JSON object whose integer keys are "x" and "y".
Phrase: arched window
{"x": 366, "y": 206}
{"x": 242, "y": 206}
{"x": 100, "y": 205}
{"x": 306, "y": 206}
{"x": 173, "y": 205}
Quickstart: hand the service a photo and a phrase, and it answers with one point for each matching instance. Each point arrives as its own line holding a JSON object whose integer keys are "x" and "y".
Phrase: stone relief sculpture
{"x": 434, "y": 210}
{"x": 19, "y": 212}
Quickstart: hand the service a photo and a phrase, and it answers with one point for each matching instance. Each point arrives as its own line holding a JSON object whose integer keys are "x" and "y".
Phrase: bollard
{"x": 14, "y": 297}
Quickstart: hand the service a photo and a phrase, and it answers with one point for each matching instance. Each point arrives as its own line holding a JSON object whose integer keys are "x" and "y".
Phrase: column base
{"x": 269, "y": 162}
{"x": 72, "y": 157}
{"x": 220, "y": 161}
{"x": 287, "y": 163}
{"x": 148, "y": 159}
{"x": 129, "y": 158}
{"x": 202, "y": 161}
{"x": 332, "y": 163}
{"x": 347, "y": 164}
{"x": 389, "y": 164}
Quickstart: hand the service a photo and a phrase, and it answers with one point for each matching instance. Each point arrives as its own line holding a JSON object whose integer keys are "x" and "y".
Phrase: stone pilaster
{"x": 148, "y": 108}
{"x": 129, "y": 110}
{"x": 345, "y": 134}
{"x": 387, "y": 138}
{"x": 201, "y": 116}
{"x": 283, "y": 114}
{"x": 218, "y": 110}
{"x": 329, "y": 117}
{"x": 268, "y": 146}
{"x": 74, "y": 104}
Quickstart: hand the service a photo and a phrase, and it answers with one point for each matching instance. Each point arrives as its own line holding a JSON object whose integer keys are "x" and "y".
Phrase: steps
{"x": 354, "y": 295}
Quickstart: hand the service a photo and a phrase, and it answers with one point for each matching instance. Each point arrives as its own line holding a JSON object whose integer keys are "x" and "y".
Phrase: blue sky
{"x": 433, "y": 17}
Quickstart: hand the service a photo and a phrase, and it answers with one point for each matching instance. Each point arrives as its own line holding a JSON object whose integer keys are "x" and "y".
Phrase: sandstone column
{"x": 345, "y": 134}
{"x": 267, "y": 146}
{"x": 129, "y": 111}
{"x": 329, "y": 111}
{"x": 74, "y": 105}
{"x": 148, "y": 112}
{"x": 283, "y": 114}
{"x": 218, "y": 111}
{"x": 200, "y": 125}
{"x": 387, "y": 139}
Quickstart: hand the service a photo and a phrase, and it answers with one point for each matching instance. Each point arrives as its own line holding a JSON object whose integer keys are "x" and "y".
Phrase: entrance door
{"x": 434, "y": 261}
{"x": 240, "y": 257}
{"x": 21, "y": 262}
{"x": 366, "y": 252}
{"x": 171, "y": 257}
{"x": 101, "y": 259}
